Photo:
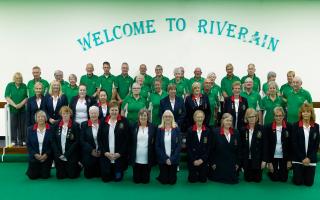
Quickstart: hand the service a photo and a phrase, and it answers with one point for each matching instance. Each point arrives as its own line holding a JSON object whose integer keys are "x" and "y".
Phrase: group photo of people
{"x": 104, "y": 125}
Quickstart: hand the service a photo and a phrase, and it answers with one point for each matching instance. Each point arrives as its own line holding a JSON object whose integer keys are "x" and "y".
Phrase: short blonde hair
{"x": 196, "y": 113}
{"x": 251, "y": 111}
{"x": 40, "y": 112}
{"x": 16, "y": 75}
{"x": 168, "y": 112}
{"x": 195, "y": 84}
{"x": 224, "y": 117}
{"x": 65, "y": 109}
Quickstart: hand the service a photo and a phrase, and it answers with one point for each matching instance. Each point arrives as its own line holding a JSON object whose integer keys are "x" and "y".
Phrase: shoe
{"x": 24, "y": 144}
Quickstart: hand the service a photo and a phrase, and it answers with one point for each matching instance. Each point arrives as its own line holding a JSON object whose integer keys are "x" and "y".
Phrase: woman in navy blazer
{"x": 142, "y": 143}
{"x": 198, "y": 148}
{"x": 236, "y": 106}
{"x": 53, "y": 101}
{"x": 65, "y": 146}
{"x": 35, "y": 103}
{"x": 90, "y": 157}
{"x": 305, "y": 145}
{"x": 113, "y": 143}
{"x": 39, "y": 147}
{"x": 103, "y": 105}
{"x": 168, "y": 146}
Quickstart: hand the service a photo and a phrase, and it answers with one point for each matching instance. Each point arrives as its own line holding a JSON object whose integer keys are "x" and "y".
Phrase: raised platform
{"x": 14, "y": 154}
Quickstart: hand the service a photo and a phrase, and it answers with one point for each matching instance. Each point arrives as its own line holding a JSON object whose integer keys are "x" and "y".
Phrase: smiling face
{"x": 278, "y": 116}
{"x": 227, "y": 123}
{"x": 102, "y": 96}
{"x": 143, "y": 118}
{"x": 236, "y": 90}
{"x": 94, "y": 114}
{"x": 82, "y": 91}
{"x": 38, "y": 89}
{"x": 198, "y": 118}
{"x": 114, "y": 111}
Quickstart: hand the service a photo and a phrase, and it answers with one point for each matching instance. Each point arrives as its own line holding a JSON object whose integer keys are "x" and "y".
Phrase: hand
{"x": 116, "y": 156}
{"x": 168, "y": 162}
{"x": 95, "y": 153}
{"x": 43, "y": 157}
{"x": 270, "y": 167}
{"x": 37, "y": 156}
{"x": 63, "y": 158}
{"x": 52, "y": 121}
{"x": 214, "y": 167}
{"x": 196, "y": 163}
{"x": 289, "y": 164}
{"x": 263, "y": 165}
{"x": 109, "y": 155}
{"x": 306, "y": 162}
{"x": 18, "y": 106}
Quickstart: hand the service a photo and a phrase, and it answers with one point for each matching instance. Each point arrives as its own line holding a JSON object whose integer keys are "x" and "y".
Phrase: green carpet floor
{"x": 14, "y": 184}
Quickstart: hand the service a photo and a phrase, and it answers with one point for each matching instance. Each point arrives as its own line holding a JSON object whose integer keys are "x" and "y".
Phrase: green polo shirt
{"x": 294, "y": 102}
{"x": 92, "y": 83}
{"x": 31, "y": 83}
{"x": 182, "y": 87}
{"x": 71, "y": 92}
{"x": 226, "y": 84}
{"x": 164, "y": 83}
{"x": 268, "y": 105}
{"x": 154, "y": 102}
{"x": 17, "y": 94}
{"x": 133, "y": 107}
{"x": 193, "y": 79}
{"x": 256, "y": 82}
{"x": 145, "y": 92}
{"x": 64, "y": 85}
{"x": 213, "y": 97}
{"x": 107, "y": 83}
{"x": 123, "y": 85}
{"x": 254, "y": 99}
{"x": 285, "y": 90}
{"x": 147, "y": 81}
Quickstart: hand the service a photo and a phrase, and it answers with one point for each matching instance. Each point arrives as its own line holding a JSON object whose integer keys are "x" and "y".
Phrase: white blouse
{"x": 167, "y": 142}
{"x": 64, "y": 133}
{"x": 142, "y": 146}
{"x": 111, "y": 137}
{"x": 40, "y": 136}
{"x": 81, "y": 111}
{"x": 278, "y": 151}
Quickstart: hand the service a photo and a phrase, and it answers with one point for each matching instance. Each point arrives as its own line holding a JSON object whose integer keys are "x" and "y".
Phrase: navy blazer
{"x": 298, "y": 142}
{"x": 33, "y": 144}
{"x": 151, "y": 143}
{"x": 90, "y": 101}
{"x": 198, "y": 149}
{"x": 72, "y": 146}
{"x": 86, "y": 138}
{"x": 32, "y": 108}
{"x": 121, "y": 132}
{"x": 175, "y": 146}
{"x": 256, "y": 149}
{"x": 271, "y": 141}
{"x": 48, "y": 106}
{"x": 229, "y": 107}
{"x": 179, "y": 111}
{"x": 101, "y": 117}
{"x": 191, "y": 106}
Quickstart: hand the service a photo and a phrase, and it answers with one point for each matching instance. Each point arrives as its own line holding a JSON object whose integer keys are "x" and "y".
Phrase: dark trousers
{"x": 110, "y": 171}
{"x": 67, "y": 169}
{"x": 18, "y": 127}
{"x": 38, "y": 169}
{"x": 168, "y": 174}
{"x": 141, "y": 173}
{"x": 280, "y": 171}
{"x": 197, "y": 173}
{"x": 303, "y": 175}
{"x": 91, "y": 167}
{"x": 252, "y": 174}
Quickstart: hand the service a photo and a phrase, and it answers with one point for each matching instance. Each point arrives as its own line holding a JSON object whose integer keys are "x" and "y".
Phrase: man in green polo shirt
{"x": 107, "y": 80}
{"x": 123, "y": 82}
{"x": 72, "y": 89}
{"x": 159, "y": 77}
{"x": 251, "y": 73}
{"x": 58, "y": 75}
{"x": 213, "y": 95}
{"x": 147, "y": 78}
{"x": 91, "y": 81}
{"x": 227, "y": 81}
{"x": 36, "y": 72}
{"x": 197, "y": 78}
{"x": 184, "y": 79}
{"x": 287, "y": 88}
{"x": 295, "y": 99}
{"x": 253, "y": 97}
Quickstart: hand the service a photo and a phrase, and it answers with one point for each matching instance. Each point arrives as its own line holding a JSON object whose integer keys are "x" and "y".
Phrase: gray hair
{"x": 271, "y": 74}
{"x": 94, "y": 109}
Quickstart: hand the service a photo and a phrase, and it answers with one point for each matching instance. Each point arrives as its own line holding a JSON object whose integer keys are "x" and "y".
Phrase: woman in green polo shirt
{"x": 132, "y": 104}
{"x": 72, "y": 89}
{"x": 154, "y": 101}
{"x": 271, "y": 101}
{"x": 16, "y": 96}
{"x": 182, "y": 87}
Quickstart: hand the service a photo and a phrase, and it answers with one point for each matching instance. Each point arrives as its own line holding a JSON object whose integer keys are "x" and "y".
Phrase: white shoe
{"x": 24, "y": 144}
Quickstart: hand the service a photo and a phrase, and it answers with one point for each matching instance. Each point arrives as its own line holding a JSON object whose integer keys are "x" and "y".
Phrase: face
{"x": 197, "y": 72}
{"x": 58, "y": 76}
{"x": 229, "y": 71}
{"x": 102, "y": 96}
{"x": 272, "y": 90}
{"x": 227, "y": 122}
{"x": 124, "y": 69}
{"x": 251, "y": 70}
{"x": 38, "y": 89}
{"x": 306, "y": 115}
{"x": 93, "y": 115}
{"x": 248, "y": 84}
{"x": 18, "y": 79}
{"x": 41, "y": 118}
{"x": 278, "y": 117}
{"x": 178, "y": 75}
{"x": 213, "y": 78}
{"x": 196, "y": 90}
{"x": 272, "y": 78}
{"x": 72, "y": 80}
{"x": 36, "y": 73}
{"x": 157, "y": 86}
{"x": 199, "y": 118}
{"x": 158, "y": 71}
{"x": 143, "y": 69}
{"x": 143, "y": 118}
{"x": 114, "y": 111}
{"x": 290, "y": 78}
{"x": 167, "y": 118}
{"x": 82, "y": 91}
{"x": 207, "y": 85}
{"x": 89, "y": 69}
{"x": 252, "y": 118}
{"x": 182, "y": 71}
{"x": 106, "y": 68}
{"x": 65, "y": 116}
{"x": 140, "y": 80}
{"x": 56, "y": 87}
{"x": 296, "y": 84}
{"x": 236, "y": 89}
{"x": 172, "y": 92}
{"x": 136, "y": 89}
